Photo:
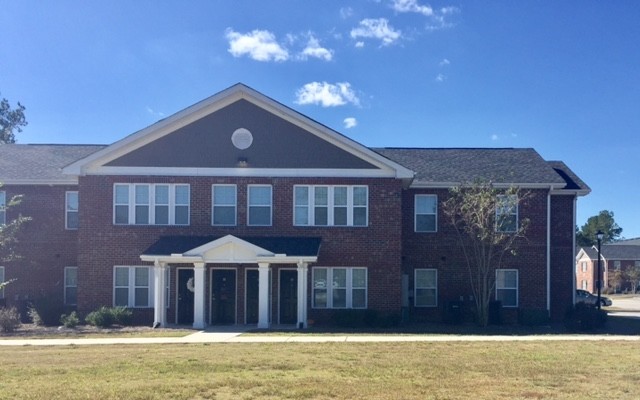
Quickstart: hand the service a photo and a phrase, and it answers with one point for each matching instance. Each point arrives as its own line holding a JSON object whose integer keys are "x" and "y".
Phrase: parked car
{"x": 582, "y": 296}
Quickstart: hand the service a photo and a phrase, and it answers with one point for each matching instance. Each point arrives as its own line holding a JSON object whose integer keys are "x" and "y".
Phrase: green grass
{"x": 469, "y": 370}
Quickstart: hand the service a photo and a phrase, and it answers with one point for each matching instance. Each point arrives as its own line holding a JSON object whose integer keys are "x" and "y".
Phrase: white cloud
{"x": 376, "y": 29}
{"x": 359, "y": 44}
{"x": 495, "y": 137}
{"x": 411, "y": 6}
{"x": 258, "y": 45}
{"x": 314, "y": 49}
{"x": 441, "y": 78}
{"x": 327, "y": 94}
{"x": 350, "y": 122}
{"x": 155, "y": 113}
{"x": 437, "y": 17}
{"x": 346, "y": 12}
{"x": 444, "y": 62}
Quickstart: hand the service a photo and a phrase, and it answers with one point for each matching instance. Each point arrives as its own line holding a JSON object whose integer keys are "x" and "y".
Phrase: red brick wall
{"x": 562, "y": 255}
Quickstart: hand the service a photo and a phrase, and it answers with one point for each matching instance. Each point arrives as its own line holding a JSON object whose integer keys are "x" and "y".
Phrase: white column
{"x": 302, "y": 294}
{"x": 263, "y": 295}
{"x": 159, "y": 298}
{"x": 198, "y": 295}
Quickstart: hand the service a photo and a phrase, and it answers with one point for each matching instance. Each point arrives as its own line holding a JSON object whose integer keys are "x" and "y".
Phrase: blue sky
{"x": 562, "y": 77}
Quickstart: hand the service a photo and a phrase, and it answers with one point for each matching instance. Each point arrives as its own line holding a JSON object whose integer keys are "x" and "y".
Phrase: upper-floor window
{"x": 507, "y": 213}
{"x": 616, "y": 264}
{"x": 339, "y": 287}
{"x": 584, "y": 266}
{"x": 3, "y": 208}
{"x": 224, "y": 205}
{"x": 507, "y": 287}
{"x": 637, "y": 263}
{"x": 331, "y": 205}
{"x": 426, "y": 213}
{"x": 426, "y": 288}
{"x": 71, "y": 210}
{"x": 151, "y": 204}
{"x": 70, "y": 286}
{"x": 259, "y": 205}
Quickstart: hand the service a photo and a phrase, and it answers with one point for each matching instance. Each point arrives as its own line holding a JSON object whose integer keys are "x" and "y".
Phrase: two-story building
{"x": 240, "y": 210}
{"x": 616, "y": 260}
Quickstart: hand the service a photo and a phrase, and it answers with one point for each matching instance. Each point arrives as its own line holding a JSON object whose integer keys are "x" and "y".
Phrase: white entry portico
{"x": 230, "y": 249}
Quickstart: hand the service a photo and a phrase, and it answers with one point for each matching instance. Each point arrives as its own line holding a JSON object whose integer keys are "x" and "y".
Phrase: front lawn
{"x": 468, "y": 370}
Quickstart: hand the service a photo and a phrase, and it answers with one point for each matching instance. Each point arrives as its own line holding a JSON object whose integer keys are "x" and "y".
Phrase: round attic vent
{"x": 242, "y": 138}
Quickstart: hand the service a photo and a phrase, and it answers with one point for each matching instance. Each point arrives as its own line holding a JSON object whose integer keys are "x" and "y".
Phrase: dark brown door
{"x": 185, "y": 297}
{"x": 288, "y": 296}
{"x": 252, "y": 296}
{"x": 223, "y": 297}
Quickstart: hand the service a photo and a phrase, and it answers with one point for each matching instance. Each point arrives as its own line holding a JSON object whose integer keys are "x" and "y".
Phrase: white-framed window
{"x": 426, "y": 288}
{"x": 584, "y": 285}
{"x": 151, "y": 204}
{"x": 339, "y": 287}
{"x": 2, "y": 281}
{"x": 507, "y": 213}
{"x": 71, "y": 210}
{"x": 426, "y": 213}
{"x": 637, "y": 263}
{"x": 330, "y": 205}
{"x": 131, "y": 287}
{"x": 584, "y": 266}
{"x": 259, "y": 205}
{"x": 224, "y": 205}
{"x": 70, "y": 286}
{"x": 507, "y": 287}
{"x": 3, "y": 207}
{"x": 616, "y": 265}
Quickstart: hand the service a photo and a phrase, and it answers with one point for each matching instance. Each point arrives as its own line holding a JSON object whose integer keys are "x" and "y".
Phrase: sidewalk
{"x": 238, "y": 337}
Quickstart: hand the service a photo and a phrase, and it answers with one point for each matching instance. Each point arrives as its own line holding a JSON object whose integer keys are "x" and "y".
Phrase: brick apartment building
{"x": 617, "y": 257}
{"x": 239, "y": 210}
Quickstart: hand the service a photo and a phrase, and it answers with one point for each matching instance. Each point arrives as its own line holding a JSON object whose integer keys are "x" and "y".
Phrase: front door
{"x": 288, "y": 296}
{"x": 185, "y": 296}
{"x": 223, "y": 296}
{"x": 252, "y": 301}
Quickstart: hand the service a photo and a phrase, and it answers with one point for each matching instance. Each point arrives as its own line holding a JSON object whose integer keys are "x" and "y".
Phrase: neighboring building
{"x": 616, "y": 259}
{"x": 239, "y": 210}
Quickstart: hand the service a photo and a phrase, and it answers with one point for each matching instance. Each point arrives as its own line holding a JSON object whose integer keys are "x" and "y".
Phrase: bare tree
{"x": 8, "y": 233}
{"x": 485, "y": 219}
{"x": 633, "y": 275}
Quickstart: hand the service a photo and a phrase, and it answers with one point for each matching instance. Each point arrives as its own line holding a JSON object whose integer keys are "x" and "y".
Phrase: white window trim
{"x": 131, "y": 287}
{"x": 235, "y": 205}
{"x": 416, "y": 288}
{"x": 517, "y": 288}
{"x": 249, "y": 205}
{"x": 349, "y": 288}
{"x": 70, "y": 286}
{"x": 331, "y": 205}
{"x": 67, "y": 211}
{"x": 415, "y": 213}
{"x": 131, "y": 204}
{"x": 516, "y": 213}
{"x": 3, "y": 207}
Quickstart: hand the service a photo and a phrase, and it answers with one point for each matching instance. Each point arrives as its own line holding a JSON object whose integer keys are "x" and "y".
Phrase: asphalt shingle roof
{"x": 506, "y": 165}
{"x": 39, "y": 162}
{"x": 615, "y": 252}
{"x": 291, "y": 246}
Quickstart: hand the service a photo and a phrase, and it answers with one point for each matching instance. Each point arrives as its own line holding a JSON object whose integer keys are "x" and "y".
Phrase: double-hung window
{"x": 70, "y": 286}
{"x": 339, "y": 287}
{"x": 584, "y": 266}
{"x": 330, "y": 205}
{"x": 131, "y": 287}
{"x": 3, "y": 208}
{"x": 426, "y": 288}
{"x": 71, "y": 210}
{"x": 426, "y": 213}
{"x": 151, "y": 204}
{"x": 507, "y": 287}
{"x": 259, "y": 205}
{"x": 507, "y": 213}
{"x": 224, "y": 204}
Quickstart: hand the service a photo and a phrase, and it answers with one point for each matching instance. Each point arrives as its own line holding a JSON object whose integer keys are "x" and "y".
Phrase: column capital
{"x": 199, "y": 264}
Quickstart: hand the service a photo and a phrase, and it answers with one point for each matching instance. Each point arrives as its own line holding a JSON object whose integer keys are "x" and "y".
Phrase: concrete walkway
{"x": 238, "y": 337}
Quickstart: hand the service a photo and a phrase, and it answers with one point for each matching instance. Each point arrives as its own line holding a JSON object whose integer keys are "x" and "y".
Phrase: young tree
{"x": 615, "y": 280}
{"x": 9, "y": 230}
{"x": 11, "y": 121}
{"x": 633, "y": 275}
{"x": 604, "y": 221}
{"x": 485, "y": 220}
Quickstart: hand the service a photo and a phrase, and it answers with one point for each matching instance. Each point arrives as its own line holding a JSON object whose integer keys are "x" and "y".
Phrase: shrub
{"x": 122, "y": 316}
{"x": 70, "y": 321}
{"x": 9, "y": 319}
{"x": 48, "y": 309}
{"x": 102, "y": 318}
{"x": 34, "y": 316}
{"x": 584, "y": 317}
{"x": 532, "y": 317}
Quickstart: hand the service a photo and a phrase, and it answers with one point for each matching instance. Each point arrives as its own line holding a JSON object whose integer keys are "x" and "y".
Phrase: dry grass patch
{"x": 479, "y": 370}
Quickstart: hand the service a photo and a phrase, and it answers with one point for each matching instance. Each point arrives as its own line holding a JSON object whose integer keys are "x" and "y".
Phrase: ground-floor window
{"x": 507, "y": 287}
{"x": 132, "y": 287}
{"x": 339, "y": 287}
{"x": 426, "y": 288}
{"x": 70, "y": 286}
{"x": 585, "y": 285}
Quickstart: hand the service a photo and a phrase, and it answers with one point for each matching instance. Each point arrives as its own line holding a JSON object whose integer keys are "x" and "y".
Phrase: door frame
{"x": 246, "y": 291}
{"x": 279, "y": 292}
{"x": 177, "y": 286}
{"x": 235, "y": 293}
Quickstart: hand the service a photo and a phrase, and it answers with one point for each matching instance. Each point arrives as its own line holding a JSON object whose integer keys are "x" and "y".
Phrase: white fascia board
{"x": 580, "y": 192}
{"x": 244, "y": 172}
{"x": 172, "y": 259}
{"x": 283, "y": 259}
{"x": 217, "y": 102}
{"x": 448, "y": 185}
{"x": 41, "y": 182}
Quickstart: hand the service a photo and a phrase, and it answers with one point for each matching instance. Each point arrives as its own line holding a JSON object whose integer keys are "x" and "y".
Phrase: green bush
{"x": 584, "y": 317}
{"x": 122, "y": 316}
{"x": 102, "y": 318}
{"x": 533, "y": 317}
{"x": 9, "y": 319}
{"x": 34, "y": 316}
{"x": 71, "y": 320}
{"x": 48, "y": 309}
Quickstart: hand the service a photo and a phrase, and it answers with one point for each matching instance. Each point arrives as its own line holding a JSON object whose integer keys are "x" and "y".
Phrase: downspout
{"x": 575, "y": 203}
{"x": 549, "y": 250}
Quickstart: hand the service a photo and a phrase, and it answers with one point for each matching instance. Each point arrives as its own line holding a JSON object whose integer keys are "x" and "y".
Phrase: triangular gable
{"x": 228, "y": 249}
{"x": 198, "y": 141}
